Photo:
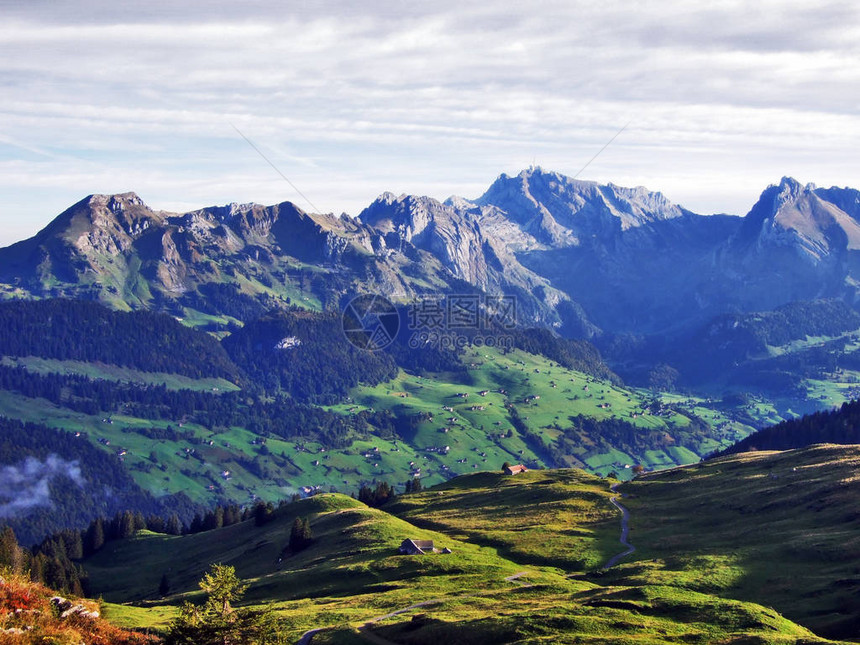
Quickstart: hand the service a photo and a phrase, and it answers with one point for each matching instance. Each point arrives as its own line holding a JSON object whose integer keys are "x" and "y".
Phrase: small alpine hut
{"x": 416, "y": 547}
{"x": 515, "y": 470}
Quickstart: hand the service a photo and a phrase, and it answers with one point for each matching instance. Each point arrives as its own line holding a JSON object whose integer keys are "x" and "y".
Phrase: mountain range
{"x": 583, "y": 257}
{"x": 643, "y": 278}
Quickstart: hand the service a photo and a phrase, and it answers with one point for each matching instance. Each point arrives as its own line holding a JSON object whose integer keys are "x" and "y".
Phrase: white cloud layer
{"x": 27, "y": 484}
{"x": 352, "y": 99}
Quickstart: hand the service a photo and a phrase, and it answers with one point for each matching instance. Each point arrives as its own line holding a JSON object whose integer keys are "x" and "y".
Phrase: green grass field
{"x": 545, "y": 397}
{"x": 558, "y": 518}
{"x": 350, "y": 573}
{"x": 102, "y": 371}
{"x": 468, "y": 426}
{"x": 524, "y": 567}
{"x": 778, "y": 528}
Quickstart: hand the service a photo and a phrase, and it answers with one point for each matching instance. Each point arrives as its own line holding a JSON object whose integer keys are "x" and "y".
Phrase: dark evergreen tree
{"x": 174, "y": 526}
{"x": 413, "y": 485}
{"x": 139, "y": 521}
{"x": 74, "y": 544}
{"x": 37, "y": 567}
{"x": 263, "y": 512}
{"x": 156, "y": 524}
{"x": 11, "y": 553}
{"x": 300, "y": 534}
{"x": 217, "y": 622}
{"x": 127, "y": 526}
{"x": 196, "y": 525}
{"x": 214, "y": 519}
{"x": 377, "y": 496}
{"x": 232, "y": 515}
{"x": 95, "y": 537}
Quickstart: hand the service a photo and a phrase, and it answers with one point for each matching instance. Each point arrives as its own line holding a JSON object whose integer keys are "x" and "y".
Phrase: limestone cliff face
{"x": 448, "y": 233}
{"x": 474, "y": 243}
{"x": 809, "y": 221}
{"x": 796, "y": 243}
{"x": 563, "y": 212}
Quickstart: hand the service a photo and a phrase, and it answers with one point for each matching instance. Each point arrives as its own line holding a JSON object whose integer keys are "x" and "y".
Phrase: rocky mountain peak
{"x": 232, "y": 210}
{"x": 106, "y": 224}
{"x": 460, "y": 203}
{"x": 789, "y": 191}
{"x": 407, "y": 215}
{"x": 117, "y": 202}
{"x": 562, "y": 211}
{"x": 808, "y": 222}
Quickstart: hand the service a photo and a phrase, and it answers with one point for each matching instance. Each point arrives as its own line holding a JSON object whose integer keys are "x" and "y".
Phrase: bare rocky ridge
{"x": 581, "y": 256}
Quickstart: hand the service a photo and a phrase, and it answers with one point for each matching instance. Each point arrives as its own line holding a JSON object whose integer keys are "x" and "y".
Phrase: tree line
{"x": 317, "y": 365}
{"x": 56, "y": 561}
{"x": 86, "y": 331}
{"x": 841, "y": 426}
{"x": 279, "y": 415}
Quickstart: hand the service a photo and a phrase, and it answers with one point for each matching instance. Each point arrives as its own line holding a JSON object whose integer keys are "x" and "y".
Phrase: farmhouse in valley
{"x": 515, "y": 470}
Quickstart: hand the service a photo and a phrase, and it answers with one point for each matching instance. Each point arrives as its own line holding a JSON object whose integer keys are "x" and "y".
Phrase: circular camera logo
{"x": 371, "y": 322}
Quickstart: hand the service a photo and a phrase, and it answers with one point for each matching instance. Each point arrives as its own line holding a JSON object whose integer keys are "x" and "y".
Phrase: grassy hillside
{"x": 559, "y": 518}
{"x": 109, "y": 372}
{"x": 350, "y": 572}
{"x": 528, "y": 414}
{"x": 351, "y": 584}
{"x": 785, "y": 377}
{"x": 515, "y": 407}
{"x": 176, "y": 432}
{"x": 780, "y": 528}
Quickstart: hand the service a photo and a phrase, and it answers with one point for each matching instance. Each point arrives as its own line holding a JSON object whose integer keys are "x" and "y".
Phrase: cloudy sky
{"x": 350, "y": 99}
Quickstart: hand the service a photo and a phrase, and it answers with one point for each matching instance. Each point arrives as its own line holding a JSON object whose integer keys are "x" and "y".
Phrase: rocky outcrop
{"x": 31, "y": 613}
{"x": 447, "y": 232}
{"x": 562, "y": 211}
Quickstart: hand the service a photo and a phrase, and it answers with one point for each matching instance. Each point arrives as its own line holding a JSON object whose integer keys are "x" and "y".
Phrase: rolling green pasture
{"x": 507, "y": 580}
{"x": 780, "y": 528}
{"x": 559, "y": 518}
{"x": 461, "y": 430}
{"x": 545, "y": 397}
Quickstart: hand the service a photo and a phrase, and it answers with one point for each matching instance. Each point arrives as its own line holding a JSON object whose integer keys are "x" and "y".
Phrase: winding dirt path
{"x": 625, "y": 529}
{"x": 308, "y": 635}
{"x": 516, "y": 578}
{"x": 364, "y": 630}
